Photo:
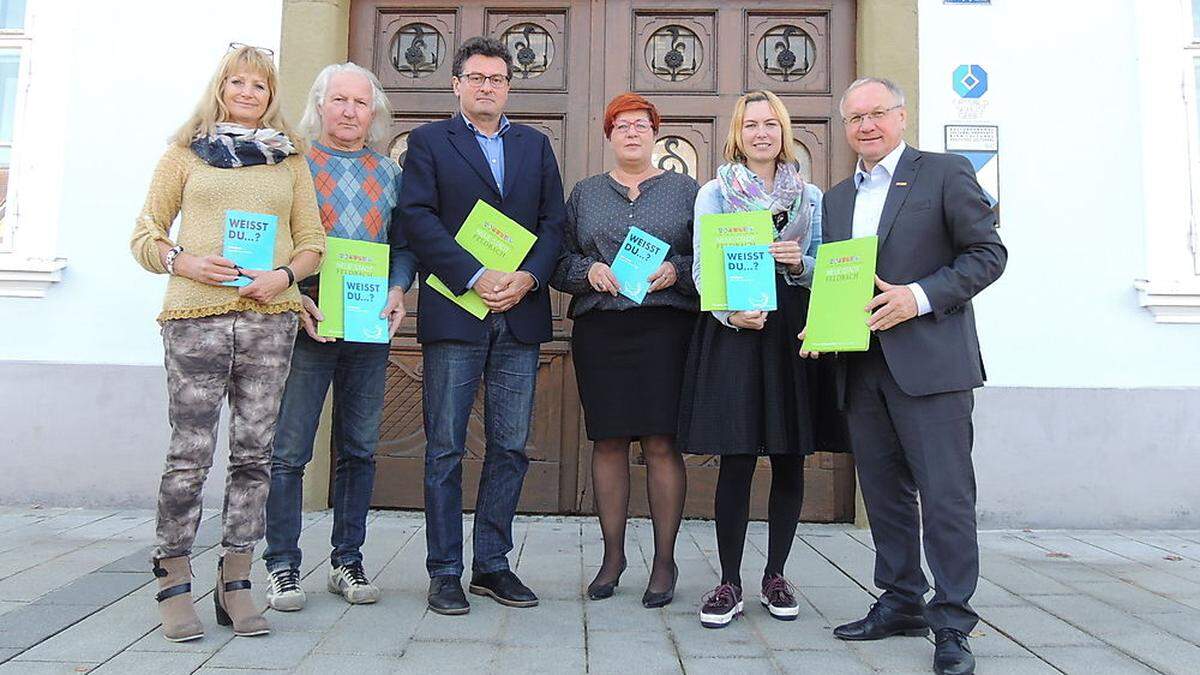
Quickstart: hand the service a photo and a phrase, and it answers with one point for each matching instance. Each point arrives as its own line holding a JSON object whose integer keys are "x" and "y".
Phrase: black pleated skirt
{"x": 748, "y": 392}
{"x": 630, "y": 369}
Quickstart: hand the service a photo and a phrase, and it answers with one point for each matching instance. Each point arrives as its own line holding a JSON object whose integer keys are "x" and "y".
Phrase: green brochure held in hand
{"x": 843, "y": 283}
{"x": 497, "y": 242}
{"x": 342, "y": 257}
{"x": 718, "y": 230}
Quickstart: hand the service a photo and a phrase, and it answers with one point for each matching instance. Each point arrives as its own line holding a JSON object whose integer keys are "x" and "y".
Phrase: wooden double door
{"x": 692, "y": 61}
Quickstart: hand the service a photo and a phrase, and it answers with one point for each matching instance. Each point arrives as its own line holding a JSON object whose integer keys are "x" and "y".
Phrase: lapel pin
{"x": 901, "y": 183}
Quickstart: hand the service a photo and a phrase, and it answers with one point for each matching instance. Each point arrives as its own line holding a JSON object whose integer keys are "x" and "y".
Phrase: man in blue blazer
{"x": 450, "y": 165}
{"x": 909, "y": 398}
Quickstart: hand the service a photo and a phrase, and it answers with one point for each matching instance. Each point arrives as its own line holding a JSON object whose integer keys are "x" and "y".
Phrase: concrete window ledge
{"x": 1171, "y": 301}
{"x": 23, "y": 277}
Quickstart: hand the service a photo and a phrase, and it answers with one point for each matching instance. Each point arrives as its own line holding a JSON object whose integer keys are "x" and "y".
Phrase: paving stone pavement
{"x": 76, "y": 595}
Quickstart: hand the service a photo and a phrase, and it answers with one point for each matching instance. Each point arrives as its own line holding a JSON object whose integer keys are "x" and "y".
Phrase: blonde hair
{"x": 735, "y": 152}
{"x": 381, "y": 122}
{"x": 211, "y": 109}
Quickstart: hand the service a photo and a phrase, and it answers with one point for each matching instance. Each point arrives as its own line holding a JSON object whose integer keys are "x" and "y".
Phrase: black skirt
{"x": 630, "y": 369}
{"x": 748, "y": 392}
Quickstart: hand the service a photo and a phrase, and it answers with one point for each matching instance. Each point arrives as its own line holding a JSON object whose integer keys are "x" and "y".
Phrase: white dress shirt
{"x": 873, "y": 188}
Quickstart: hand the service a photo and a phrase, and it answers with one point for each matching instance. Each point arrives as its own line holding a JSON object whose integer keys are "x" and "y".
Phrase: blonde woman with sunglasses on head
{"x": 236, "y": 152}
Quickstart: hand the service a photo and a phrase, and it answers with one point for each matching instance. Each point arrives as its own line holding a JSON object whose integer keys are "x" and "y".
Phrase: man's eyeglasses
{"x": 640, "y": 126}
{"x": 477, "y": 79}
{"x": 234, "y": 46}
{"x": 874, "y": 116}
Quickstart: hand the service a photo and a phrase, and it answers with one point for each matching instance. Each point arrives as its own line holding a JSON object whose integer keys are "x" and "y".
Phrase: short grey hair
{"x": 893, "y": 89}
{"x": 310, "y": 122}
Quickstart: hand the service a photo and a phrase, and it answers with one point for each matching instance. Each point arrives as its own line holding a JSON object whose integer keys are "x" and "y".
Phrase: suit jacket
{"x": 444, "y": 174}
{"x": 938, "y": 230}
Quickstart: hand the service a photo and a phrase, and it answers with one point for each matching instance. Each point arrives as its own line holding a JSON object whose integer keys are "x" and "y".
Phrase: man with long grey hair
{"x": 357, "y": 190}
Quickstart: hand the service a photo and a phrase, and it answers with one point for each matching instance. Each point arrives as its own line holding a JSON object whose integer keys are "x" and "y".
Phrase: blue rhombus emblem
{"x": 970, "y": 81}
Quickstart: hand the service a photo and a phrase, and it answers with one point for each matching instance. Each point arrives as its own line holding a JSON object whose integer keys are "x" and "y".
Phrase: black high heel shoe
{"x": 601, "y": 591}
{"x": 653, "y": 600}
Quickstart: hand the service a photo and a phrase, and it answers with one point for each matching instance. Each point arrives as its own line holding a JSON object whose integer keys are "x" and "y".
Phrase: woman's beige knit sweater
{"x": 200, "y": 194}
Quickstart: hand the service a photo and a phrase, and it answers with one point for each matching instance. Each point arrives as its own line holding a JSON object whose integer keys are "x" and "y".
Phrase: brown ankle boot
{"x": 232, "y": 596}
{"x": 179, "y": 620}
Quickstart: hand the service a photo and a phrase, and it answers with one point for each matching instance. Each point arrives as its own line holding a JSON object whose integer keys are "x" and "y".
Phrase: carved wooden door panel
{"x": 410, "y": 46}
{"x": 693, "y": 61}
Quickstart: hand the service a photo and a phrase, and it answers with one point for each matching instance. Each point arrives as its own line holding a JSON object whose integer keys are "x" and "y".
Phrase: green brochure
{"x": 718, "y": 230}
{"x": 843, "y": 284}
{"x": 342, "y": 257}
{"x": 497, "y": 242}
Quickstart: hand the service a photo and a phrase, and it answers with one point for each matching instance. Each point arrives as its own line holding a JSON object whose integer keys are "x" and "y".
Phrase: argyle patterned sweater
{"x": 357, "y": 194}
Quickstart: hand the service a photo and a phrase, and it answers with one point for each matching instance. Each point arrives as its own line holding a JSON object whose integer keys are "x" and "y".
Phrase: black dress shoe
{"x": 598, "y": 590}
{"x": 952, "y": 653}
{"x": 654, "y": 600}
{"x": 504, "y": 587}
{"x": 446, "y": 596}
{"x": 882, "y": 622}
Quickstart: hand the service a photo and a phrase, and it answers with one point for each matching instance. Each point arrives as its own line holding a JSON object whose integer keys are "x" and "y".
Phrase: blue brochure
{"x": 363, "y": 300}
{"x": 640, "y": 256}
{"x": 249, "y": 241}
{"x": 750, "y": 278}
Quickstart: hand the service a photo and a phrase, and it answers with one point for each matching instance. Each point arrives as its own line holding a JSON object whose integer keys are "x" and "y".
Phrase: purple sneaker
{"x": 779, "y": 597}
{"x": 721, "y": 605}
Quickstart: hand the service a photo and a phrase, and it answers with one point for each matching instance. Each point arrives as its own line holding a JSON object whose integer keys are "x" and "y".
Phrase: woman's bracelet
{"x": 291, "y": 275}
{"x": 172, "y": 254}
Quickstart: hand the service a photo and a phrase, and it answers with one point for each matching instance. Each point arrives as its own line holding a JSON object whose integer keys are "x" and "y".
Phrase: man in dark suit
{"x": 478, "y": 154}
{"x": 909, "y": 398}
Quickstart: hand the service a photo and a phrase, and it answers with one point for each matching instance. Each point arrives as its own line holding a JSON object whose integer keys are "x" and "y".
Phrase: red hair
{"x": 628, "y": 102}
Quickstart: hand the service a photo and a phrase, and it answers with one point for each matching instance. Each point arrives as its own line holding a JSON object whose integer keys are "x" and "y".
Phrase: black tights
{"x": 733, "y": 511}
{"x": 666, "y": 486}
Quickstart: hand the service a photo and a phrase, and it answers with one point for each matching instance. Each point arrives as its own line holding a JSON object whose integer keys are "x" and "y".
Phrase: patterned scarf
{"x": 744, "y": 191}
{"x": 234, "y": 145}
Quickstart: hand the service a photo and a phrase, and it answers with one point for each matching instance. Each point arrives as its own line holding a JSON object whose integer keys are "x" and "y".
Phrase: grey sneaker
{"x": 284, "y": 594}
{"x": 351, "y": 583}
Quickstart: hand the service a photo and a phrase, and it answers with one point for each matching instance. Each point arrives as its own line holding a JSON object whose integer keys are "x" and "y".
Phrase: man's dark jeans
{"x": 358, "y": 372}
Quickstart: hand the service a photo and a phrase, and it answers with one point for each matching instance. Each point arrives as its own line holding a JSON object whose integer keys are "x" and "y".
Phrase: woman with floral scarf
{"x": 236, "y": 153}
{"x": 746, "y": 392}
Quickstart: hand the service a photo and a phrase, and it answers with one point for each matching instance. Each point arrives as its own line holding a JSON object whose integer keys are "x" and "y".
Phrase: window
{"x": 1191, "y": 81}
{"x": 1168, "y": 64}
{"x": 14, "y": 47}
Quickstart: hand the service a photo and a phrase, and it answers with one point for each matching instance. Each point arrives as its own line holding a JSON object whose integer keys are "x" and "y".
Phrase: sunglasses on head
{"x": 235, "y": 46}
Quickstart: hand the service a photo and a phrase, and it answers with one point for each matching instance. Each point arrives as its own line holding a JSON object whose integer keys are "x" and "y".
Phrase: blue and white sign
{"x": 970, "y": 81}
{"x": 979, "y": 143}
{"x": 967, "y": 2}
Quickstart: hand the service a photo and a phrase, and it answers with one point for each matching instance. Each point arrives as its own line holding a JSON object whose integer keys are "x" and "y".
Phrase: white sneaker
{"x": 284, "y": 594}
{"x": 351, "y": 583}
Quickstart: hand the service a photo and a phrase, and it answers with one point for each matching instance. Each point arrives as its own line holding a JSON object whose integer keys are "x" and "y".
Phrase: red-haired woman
{"x": 629, "y": 356}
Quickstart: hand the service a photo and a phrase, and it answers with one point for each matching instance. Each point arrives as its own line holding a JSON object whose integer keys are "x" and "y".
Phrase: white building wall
{"x": 109, "y": 82}
{"x": 1078, "y": 149}
{"x": 1090, "y": 417}
{"x": 83, "y": 415}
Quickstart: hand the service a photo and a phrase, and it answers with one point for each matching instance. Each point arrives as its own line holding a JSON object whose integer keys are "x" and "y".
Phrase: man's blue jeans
{"x": 358, "y": 372}
{"x": 453, "y": 370}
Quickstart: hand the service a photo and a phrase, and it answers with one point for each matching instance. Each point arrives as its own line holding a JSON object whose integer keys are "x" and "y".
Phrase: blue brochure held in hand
{"x": 640, "y": 256}
{"x": 249, "y": 241}
{"x": 750, "y": 278}
{"x": 363, "y": 300}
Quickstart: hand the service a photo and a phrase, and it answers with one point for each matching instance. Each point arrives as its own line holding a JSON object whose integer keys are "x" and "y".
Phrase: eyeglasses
{"x": 477, "y": 79}
{"x": 640, "y": 126}
{"x": 234, "y": 46}
{"x": 874, "y": 116}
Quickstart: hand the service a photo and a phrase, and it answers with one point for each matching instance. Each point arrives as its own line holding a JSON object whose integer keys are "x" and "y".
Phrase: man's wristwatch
{"x": 171, "y": 256}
